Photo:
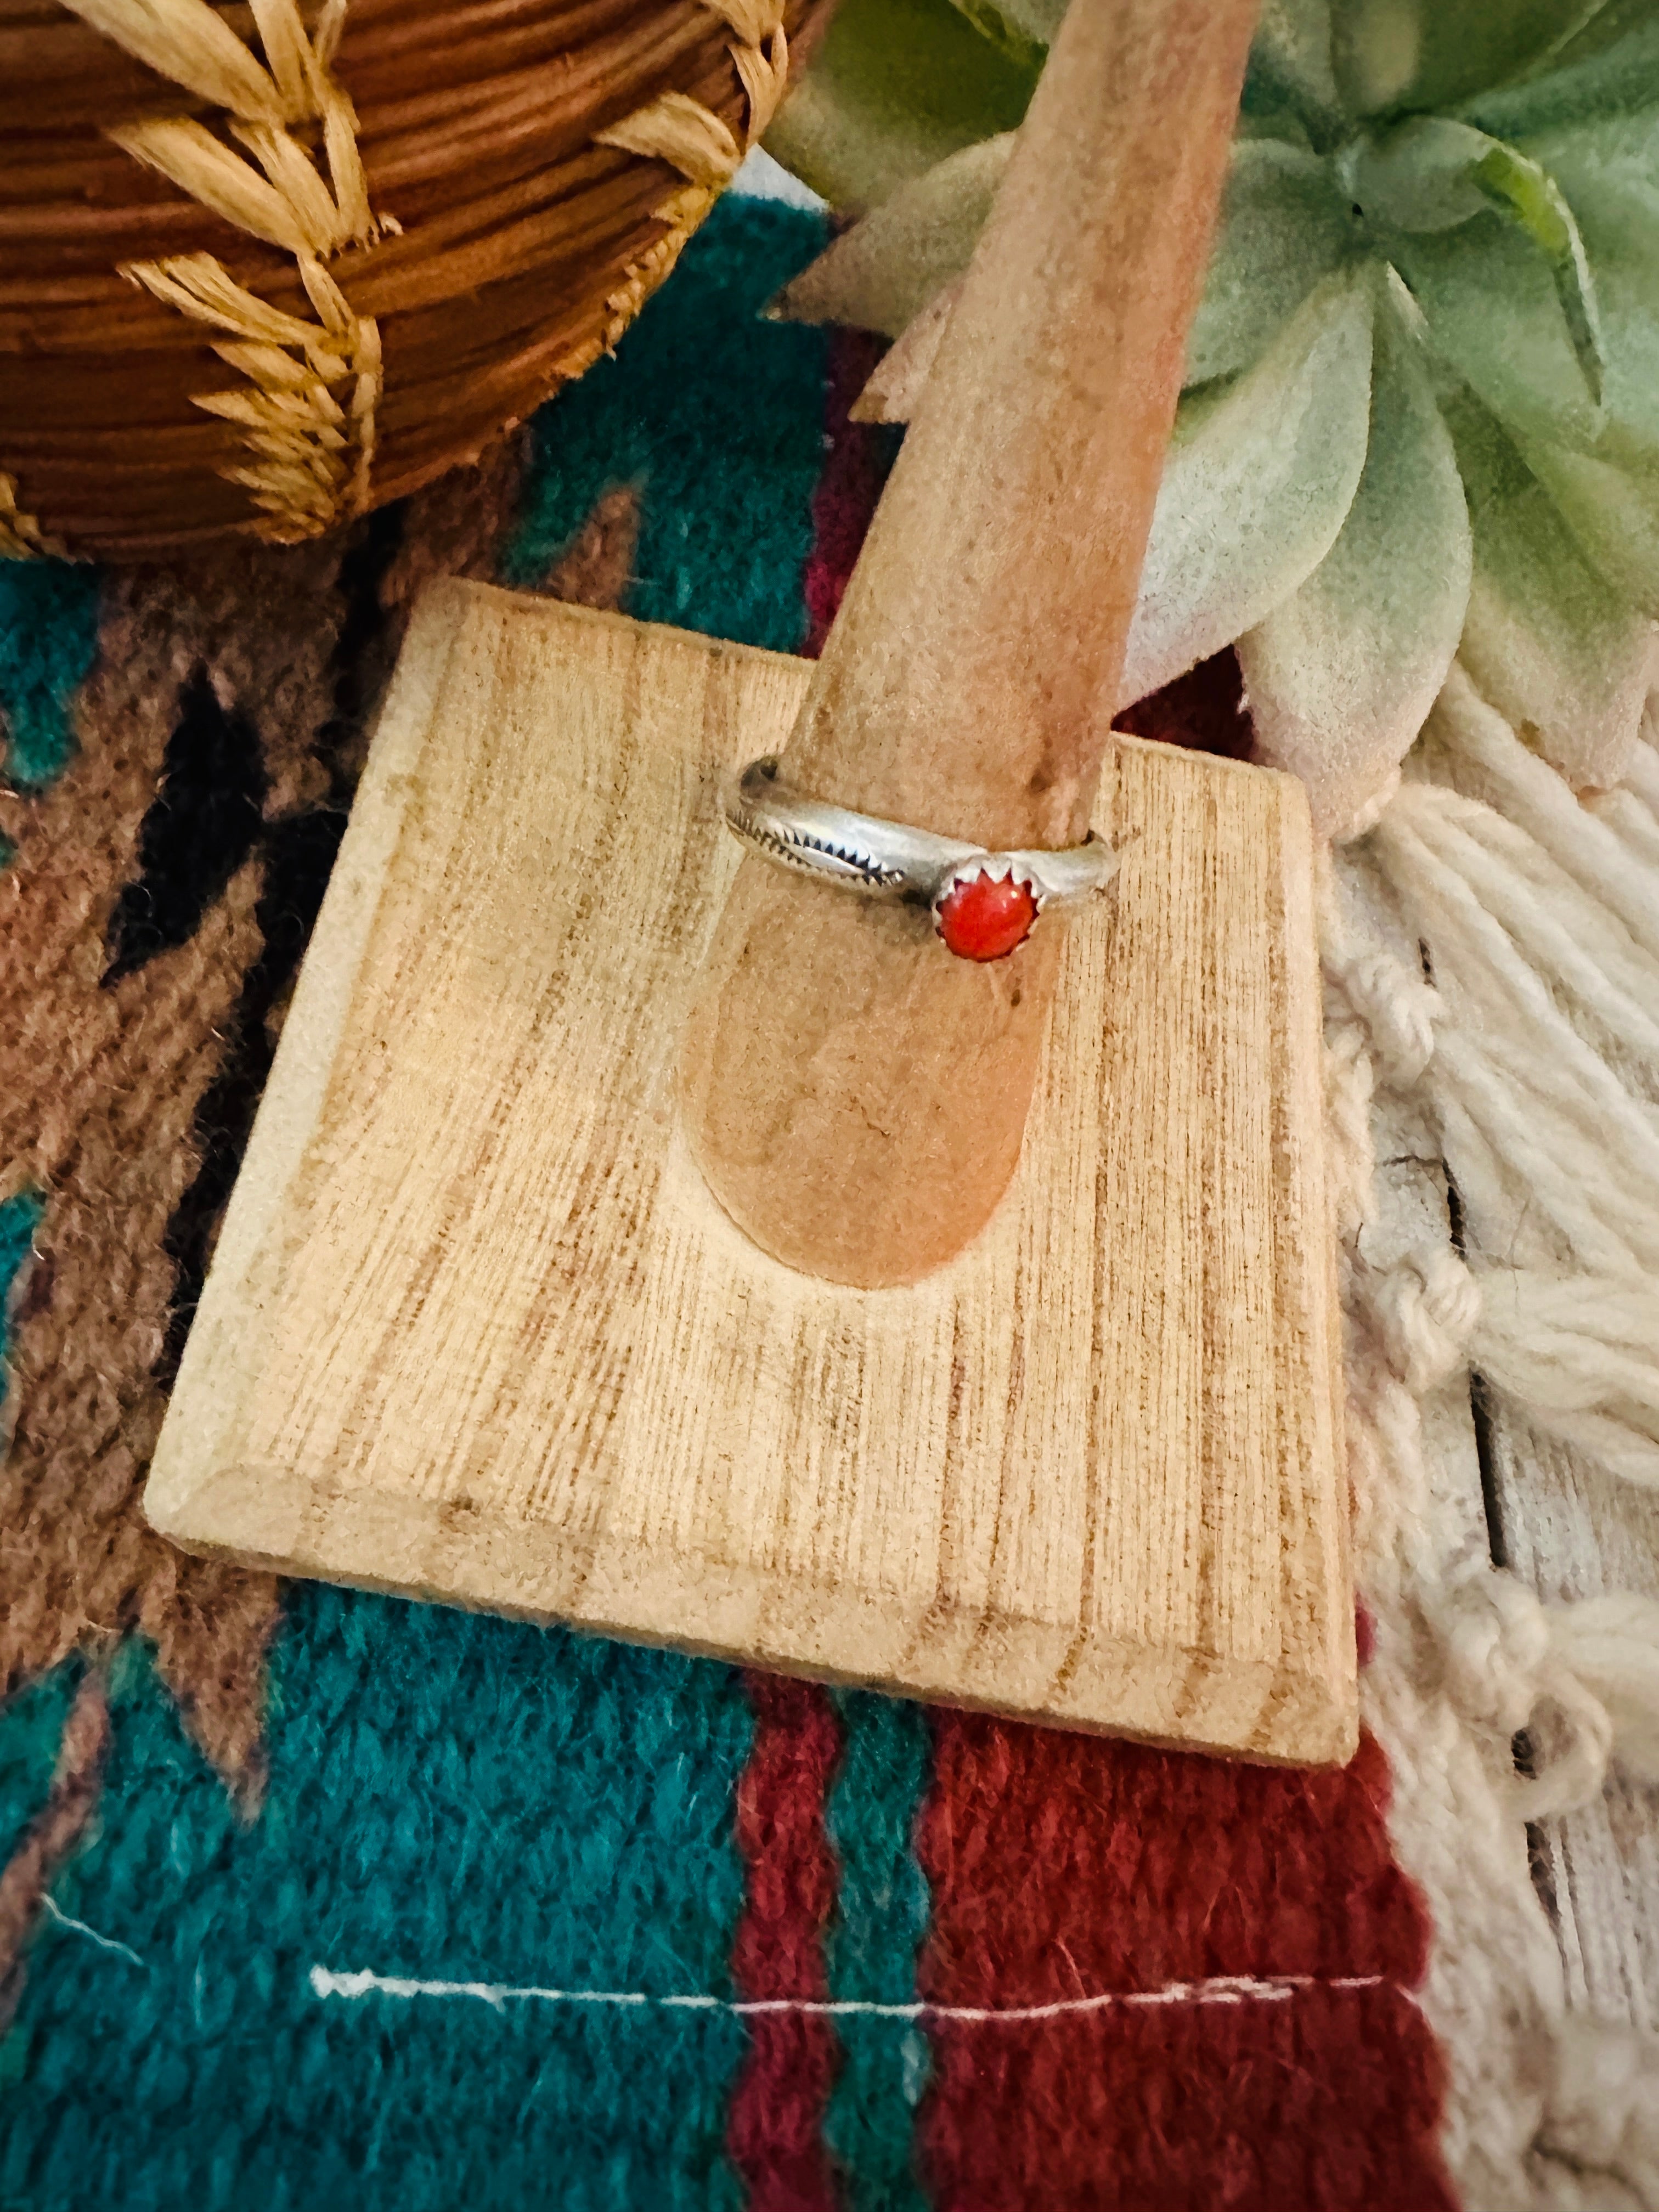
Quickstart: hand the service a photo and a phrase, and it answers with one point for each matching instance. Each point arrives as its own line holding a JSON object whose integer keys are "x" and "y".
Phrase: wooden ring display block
{"x": 476, "y": 1331}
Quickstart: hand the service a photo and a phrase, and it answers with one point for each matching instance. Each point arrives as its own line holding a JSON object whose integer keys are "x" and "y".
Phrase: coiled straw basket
{"x": 262, "y": 267}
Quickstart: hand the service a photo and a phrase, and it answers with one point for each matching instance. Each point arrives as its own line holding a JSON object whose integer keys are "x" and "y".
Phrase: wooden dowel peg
{"x": 854, "y": 1096}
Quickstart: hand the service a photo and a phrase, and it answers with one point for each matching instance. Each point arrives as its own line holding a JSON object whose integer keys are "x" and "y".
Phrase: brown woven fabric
{"x": 99, "y": 1081}
{"x": 156, "y": 910}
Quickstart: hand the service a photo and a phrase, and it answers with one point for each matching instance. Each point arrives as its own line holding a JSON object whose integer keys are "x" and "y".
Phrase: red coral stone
{"x": 986, "y": 919}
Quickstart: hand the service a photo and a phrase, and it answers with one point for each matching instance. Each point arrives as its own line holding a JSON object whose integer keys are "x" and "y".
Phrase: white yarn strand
{"x": 1469, "y": 942}
{"x": 1532, "y": 796}
{"x": 1577, "y": 1353}
{"x": 1628, "y": 818}
{"x": 1622, "y": 992}
{"x": 1632, "y": 813}
{"x": 1530, "y": 1152}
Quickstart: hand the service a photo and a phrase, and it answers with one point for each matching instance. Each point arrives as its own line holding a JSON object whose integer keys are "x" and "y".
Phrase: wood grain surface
{"x": 476, "y": 1330}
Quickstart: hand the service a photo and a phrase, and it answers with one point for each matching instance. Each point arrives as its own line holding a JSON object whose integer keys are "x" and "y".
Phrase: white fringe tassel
{"x": 1535, "y": 1051}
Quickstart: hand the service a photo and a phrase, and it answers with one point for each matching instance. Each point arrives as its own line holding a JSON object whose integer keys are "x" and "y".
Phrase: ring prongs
{"x": 985, "y": 909}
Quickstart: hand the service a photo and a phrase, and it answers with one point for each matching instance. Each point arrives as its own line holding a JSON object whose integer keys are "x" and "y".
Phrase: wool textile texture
{"x": 775, "y": 2130}
{"x": 317, "y": 1898}
{"x": 1143, "y": 1871}
{"x": 394, "y": 1834}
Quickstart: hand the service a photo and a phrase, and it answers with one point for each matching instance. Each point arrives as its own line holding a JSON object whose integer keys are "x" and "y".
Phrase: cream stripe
{"x": 1222, "y": 1989}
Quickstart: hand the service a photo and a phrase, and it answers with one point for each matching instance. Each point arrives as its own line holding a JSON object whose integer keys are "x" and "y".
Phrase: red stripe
{"x": 1313, "y": 2102}
{"x": 775, "y": 2124}
{"x": 1063, "y": 1865}
{"x": 857, "y": 460}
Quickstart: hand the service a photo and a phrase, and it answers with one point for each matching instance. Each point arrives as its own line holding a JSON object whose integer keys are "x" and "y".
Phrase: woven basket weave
{"x": 262, "y": 267}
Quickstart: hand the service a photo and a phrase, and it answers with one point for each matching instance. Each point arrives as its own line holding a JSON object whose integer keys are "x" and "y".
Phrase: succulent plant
{"x": 1421, "y": 409}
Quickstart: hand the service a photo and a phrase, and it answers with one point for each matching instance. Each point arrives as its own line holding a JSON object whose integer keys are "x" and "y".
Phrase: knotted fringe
{"x": 1492, "y": 960}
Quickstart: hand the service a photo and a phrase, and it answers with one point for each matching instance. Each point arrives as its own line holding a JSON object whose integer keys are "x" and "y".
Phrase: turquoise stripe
{"x": 48, "y": 641}
{"x": 32, "y": 1725}
{"x": 719, "y": 417}
{"x": 880, "y": 1919}
{"x": 451, "y": 1798}
{"x": 20, "y": 1217}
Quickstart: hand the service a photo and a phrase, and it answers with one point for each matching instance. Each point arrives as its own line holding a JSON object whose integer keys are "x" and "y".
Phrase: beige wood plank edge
{"x": 476, "y": 1331}
{"x": 1573, "y": 1530}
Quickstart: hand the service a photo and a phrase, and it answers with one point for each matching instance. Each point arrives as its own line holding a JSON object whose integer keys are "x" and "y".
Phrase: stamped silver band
{"x": 889, "y": 859}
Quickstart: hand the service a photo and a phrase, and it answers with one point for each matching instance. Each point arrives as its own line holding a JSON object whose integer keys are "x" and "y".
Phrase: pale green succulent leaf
{"x": 1396, "y": 56}
{"x": 1629, "y": 318}
{"x": 1611, "y": 175}
{"x": 1613, "y": 510}
{"x": 1037, "y": 19}
{"x": 1628, "y": 295}
{"x": 1590, "y": 29}
{"x": 1377, "y": 53}
{"x": 1432, "y": 174}
{"x": 1525, "y": 192}
{"x": 1420, "y": 175}
{"x": 1008, "y": 28}
{"x": 1283, "y": 228}
{"x": 1289, "y": 68}
{"x": 1256, "y": 484}
{"x": 895, "y": 86}
{"x": 1340, "y": 675}
{"x": 1609, "y": 172}
{"x": 1610, "y": 67}
{"x": 879, "y": 275}
{"x": 1548, "y": 639}
{"x": 1493, "y": 306}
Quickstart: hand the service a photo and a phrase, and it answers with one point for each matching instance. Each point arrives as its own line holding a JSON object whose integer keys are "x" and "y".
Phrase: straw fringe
{"x": 21, "y": 538}
{"x": 691, "y": 138}
{"x": 306, "y": 407}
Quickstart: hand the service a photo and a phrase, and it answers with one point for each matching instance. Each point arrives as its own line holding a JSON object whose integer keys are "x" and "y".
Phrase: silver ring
{"x": 984, "y": 904}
